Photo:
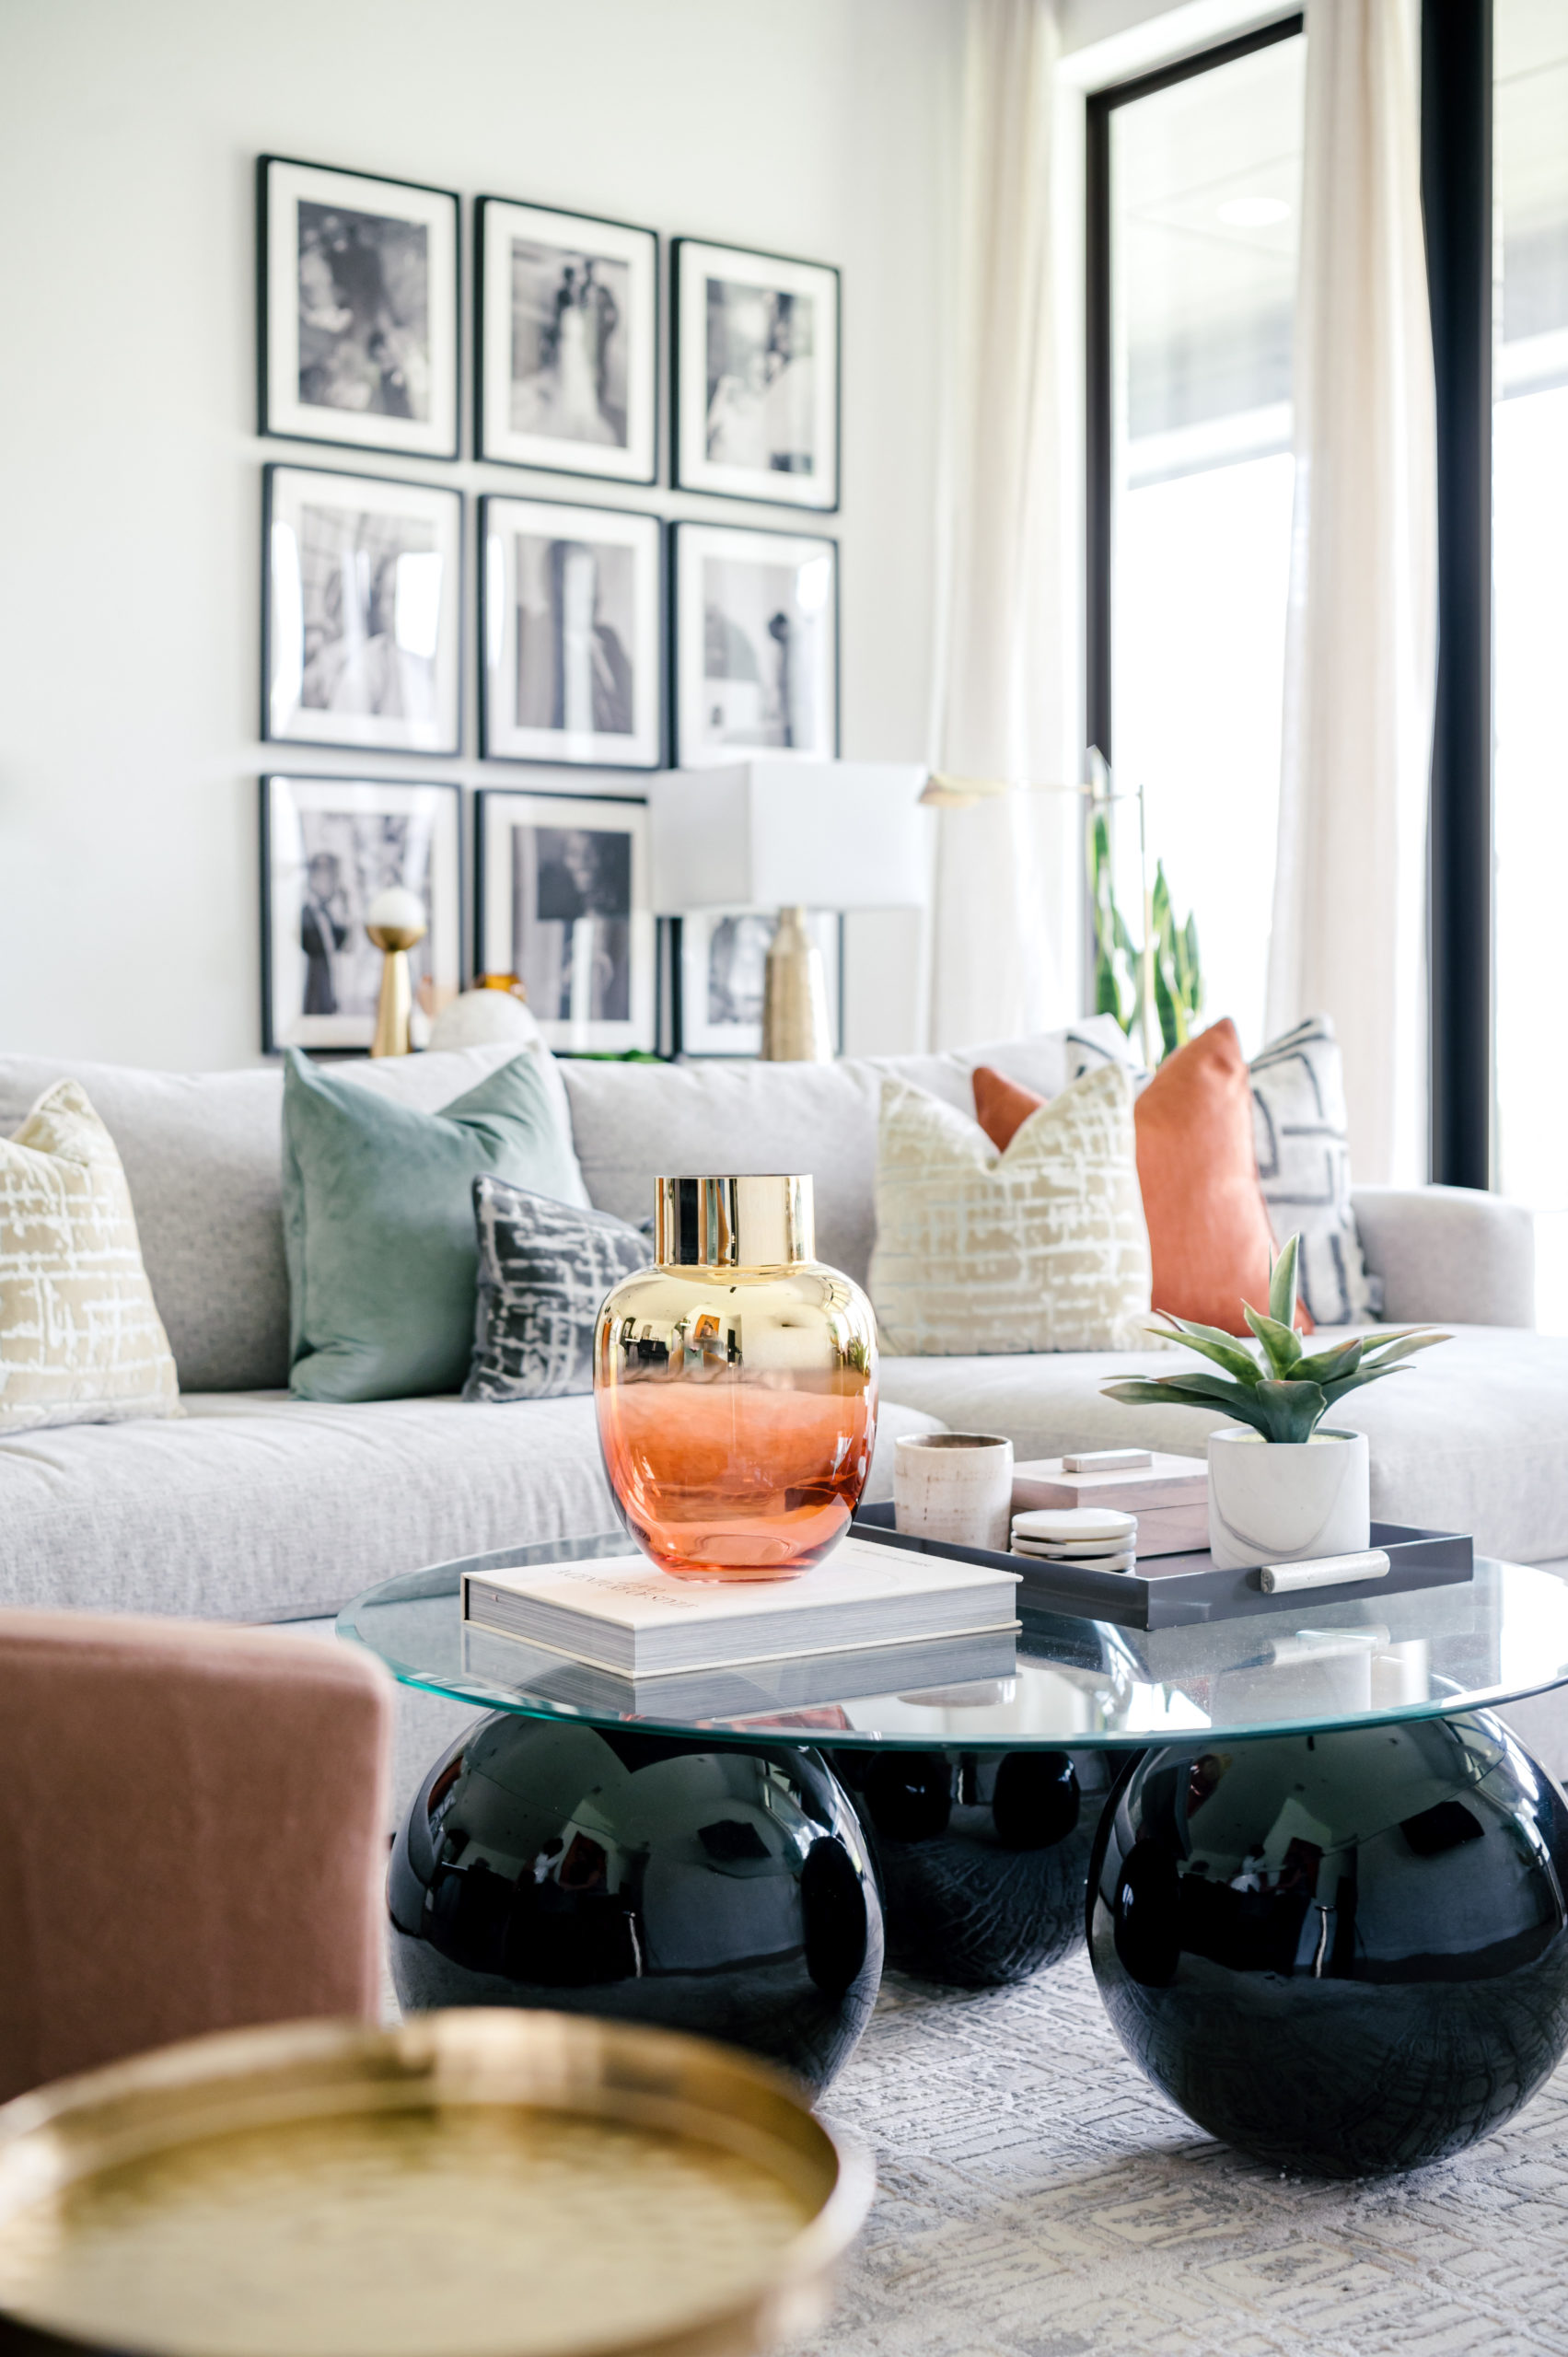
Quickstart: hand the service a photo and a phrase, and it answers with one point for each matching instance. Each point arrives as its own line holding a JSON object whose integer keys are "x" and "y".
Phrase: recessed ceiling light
{"x": 1252, "y": 212}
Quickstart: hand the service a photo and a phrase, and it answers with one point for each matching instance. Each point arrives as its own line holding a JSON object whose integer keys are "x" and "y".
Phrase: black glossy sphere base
{"x": 702, "y": 1886}
{"x": 1345, "y": 1953}
{"x": 982, "y": 1857}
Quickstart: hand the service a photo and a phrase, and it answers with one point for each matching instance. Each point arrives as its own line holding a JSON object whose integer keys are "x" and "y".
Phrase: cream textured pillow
{"x": 1040, "y": 1248}
{"x": 81, "y": 1341}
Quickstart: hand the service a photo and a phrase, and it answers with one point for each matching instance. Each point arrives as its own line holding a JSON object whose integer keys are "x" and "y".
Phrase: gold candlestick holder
{"x": 396, "y": 923}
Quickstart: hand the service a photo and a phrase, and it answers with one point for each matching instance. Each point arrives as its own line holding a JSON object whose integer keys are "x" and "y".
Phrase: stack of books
{"x": 619, "y": 1636}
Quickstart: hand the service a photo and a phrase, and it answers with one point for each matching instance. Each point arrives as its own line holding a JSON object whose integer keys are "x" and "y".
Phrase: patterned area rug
{"x": 1038, "y": 2199}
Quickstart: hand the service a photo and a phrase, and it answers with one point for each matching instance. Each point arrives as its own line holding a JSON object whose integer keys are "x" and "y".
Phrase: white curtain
{"x": 1004, "y": 946}
{"x": 1350, "y": 920}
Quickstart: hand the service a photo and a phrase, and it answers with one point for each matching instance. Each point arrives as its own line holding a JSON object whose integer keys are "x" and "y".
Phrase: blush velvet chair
{"x": 192, "y": 1834}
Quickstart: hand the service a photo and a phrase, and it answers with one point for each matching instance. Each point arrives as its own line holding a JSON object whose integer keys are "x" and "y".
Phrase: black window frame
{"x": 1456, "y": 157}
{"x": 1098, "y": 336}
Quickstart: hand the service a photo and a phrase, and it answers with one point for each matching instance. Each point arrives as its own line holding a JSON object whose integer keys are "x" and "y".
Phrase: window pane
{"x": 1205, "y": 214}
{"x": 1530, "y": 617}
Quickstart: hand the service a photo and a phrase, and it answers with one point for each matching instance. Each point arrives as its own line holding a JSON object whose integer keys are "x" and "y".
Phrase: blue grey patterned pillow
{"x": 1299, "y": 1125}
{"x": 544, "y": 1268}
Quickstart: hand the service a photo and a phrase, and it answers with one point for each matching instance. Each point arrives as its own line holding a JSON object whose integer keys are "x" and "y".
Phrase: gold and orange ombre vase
{"x": 736, "y": 1385}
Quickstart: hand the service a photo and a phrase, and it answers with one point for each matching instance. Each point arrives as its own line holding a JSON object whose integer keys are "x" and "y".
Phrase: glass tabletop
{"x": 1063, "y": 1683}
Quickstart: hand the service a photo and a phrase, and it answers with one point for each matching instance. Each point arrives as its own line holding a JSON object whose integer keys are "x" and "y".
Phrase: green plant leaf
{"x": 1281, "y": 1284}
{"x": 1194, "y": 967}
{"x": 1282, "y": 1343}
{"x": 1364, "y": 1375}
{"x": 1210, "y": 1343}
{"x": 1170, "y": 1391}
{"x": 1329, "y": 1367}
{"x": 1292, "y": 1410}
{"x": 1382, "y": 1356}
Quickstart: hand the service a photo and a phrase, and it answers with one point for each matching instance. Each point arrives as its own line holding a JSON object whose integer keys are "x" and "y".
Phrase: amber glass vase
{"x": 735, "y": 1384}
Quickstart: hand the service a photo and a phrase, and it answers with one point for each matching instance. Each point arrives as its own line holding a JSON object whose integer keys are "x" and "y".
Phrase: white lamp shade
{"x": 775, "y": 834}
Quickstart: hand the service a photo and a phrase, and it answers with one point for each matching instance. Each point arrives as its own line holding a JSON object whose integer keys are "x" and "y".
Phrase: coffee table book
{"x": 969, "y": 1665}
{"x": 622, "y": 1615}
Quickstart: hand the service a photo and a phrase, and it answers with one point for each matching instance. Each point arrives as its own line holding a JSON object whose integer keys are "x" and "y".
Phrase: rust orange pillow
{"x": 1001, "y": 1107}
{"x": 1209, "y": 1237}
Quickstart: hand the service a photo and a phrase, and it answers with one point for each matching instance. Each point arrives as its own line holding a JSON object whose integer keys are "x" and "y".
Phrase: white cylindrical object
{"x": 1287, "y": 1502}
{"x": 1325, "y": 1570}
{"x": 956, "y": 1486}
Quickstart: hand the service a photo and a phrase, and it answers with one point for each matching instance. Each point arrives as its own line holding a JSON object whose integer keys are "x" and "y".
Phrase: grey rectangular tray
{"x": 1168, "y": 1590}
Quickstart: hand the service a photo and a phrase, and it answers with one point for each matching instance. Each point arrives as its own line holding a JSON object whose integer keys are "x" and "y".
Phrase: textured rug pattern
{"x": 1038, "y": 2199}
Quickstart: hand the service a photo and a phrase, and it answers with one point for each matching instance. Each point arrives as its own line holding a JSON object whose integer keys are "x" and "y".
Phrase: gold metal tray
{"x": 474, "y": 2184}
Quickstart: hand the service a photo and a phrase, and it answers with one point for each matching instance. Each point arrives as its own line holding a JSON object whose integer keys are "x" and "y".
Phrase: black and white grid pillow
{"x": 544, "y": 1268}
{"x": 1299, "y": 1130}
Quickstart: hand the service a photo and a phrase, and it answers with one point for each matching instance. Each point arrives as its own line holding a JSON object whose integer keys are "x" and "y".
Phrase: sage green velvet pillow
{"x": 378, "y": 1227}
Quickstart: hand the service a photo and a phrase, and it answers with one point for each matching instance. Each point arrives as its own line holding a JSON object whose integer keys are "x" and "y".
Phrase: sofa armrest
{"x": 1451, "y": 1255}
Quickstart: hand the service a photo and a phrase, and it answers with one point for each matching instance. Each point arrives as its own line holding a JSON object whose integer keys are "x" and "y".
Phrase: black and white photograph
{"x": 756, "y": 645}
{"x": 564, "y": 904}
{"x": 568, "y": 342}
{"x": 756, "y": 375}
{"x": 358, "y": 310}
{"x": 722, "y": 965}
{"x": 362, "y": 607}
{"x": 571, "y": 618}
{"x": 329, "y": 846}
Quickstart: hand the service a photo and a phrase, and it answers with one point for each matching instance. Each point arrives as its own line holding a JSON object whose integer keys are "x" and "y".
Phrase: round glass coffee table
{"x": 1325, "y": 1891}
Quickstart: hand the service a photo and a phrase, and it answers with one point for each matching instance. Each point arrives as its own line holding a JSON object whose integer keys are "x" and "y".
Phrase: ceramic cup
{"x": 957, "y": 1486}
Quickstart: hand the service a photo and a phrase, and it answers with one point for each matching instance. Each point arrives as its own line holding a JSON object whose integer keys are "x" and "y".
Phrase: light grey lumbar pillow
{"x": 544, "y": 1268}
{"x": 1299, "y": 1124}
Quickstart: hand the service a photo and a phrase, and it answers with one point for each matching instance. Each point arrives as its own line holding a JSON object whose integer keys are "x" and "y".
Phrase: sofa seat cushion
{"x": 1469, "y": 1438}
{"x": 254, "y": 1506}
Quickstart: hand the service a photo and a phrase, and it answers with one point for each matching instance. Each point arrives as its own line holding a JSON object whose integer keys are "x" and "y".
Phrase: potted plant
{"x": 1279, "y": 1489}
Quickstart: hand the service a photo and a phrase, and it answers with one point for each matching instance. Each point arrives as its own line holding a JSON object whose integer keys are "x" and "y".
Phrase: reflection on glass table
{"x": 1077, "y": 1684}
{"x": 1322, "y": 1886}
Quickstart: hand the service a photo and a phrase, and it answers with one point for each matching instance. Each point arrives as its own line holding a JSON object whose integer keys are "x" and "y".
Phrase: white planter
{"x": 1283, "y": 1501}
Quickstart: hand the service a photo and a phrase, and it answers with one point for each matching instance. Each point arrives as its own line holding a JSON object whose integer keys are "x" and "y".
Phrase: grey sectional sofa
{"x": 252, "y": 1506}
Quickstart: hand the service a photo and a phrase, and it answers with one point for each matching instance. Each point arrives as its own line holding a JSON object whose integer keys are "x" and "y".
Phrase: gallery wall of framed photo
{"x": 539, "y": 544}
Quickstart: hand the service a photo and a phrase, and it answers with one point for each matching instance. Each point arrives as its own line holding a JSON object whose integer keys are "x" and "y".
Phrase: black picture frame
{"x": 502, "y": 737}
{"x": 285, "y": 180}
{"x": 500, "y": 443}
{"x": 441, "y": 737}
{"x": 688, "y": 541}
{"x": 692, "y": 466}
{"x": 349, "y": 1032}
{"x": 523, "y": 805}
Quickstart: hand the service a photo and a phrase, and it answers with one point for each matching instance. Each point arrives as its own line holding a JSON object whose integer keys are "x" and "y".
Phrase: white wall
{"x": 129, "y": 515}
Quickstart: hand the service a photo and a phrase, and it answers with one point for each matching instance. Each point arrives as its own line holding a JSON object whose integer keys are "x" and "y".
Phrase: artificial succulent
{"x": 1286, "y": 1393}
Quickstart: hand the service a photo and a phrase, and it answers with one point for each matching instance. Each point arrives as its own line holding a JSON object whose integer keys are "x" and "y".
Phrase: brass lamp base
{"x": 794, "y": 996}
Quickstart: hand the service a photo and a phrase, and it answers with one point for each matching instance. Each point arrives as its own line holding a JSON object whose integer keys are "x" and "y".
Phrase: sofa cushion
{"x": 1469, "y": 1438}
{"x": 254, "y": 1506}
{"x": 544, "y": 1268}
{"x": 1209, "y": 1239}
{"x": 80, "y": 1340}
{"x": 1040, "y": 1248}
{"x": 203, "y": 1154}
{"x": 632, "y": 1122}
{"x": 1301, "y": 1131}
{"x": 378, "y": 1223}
